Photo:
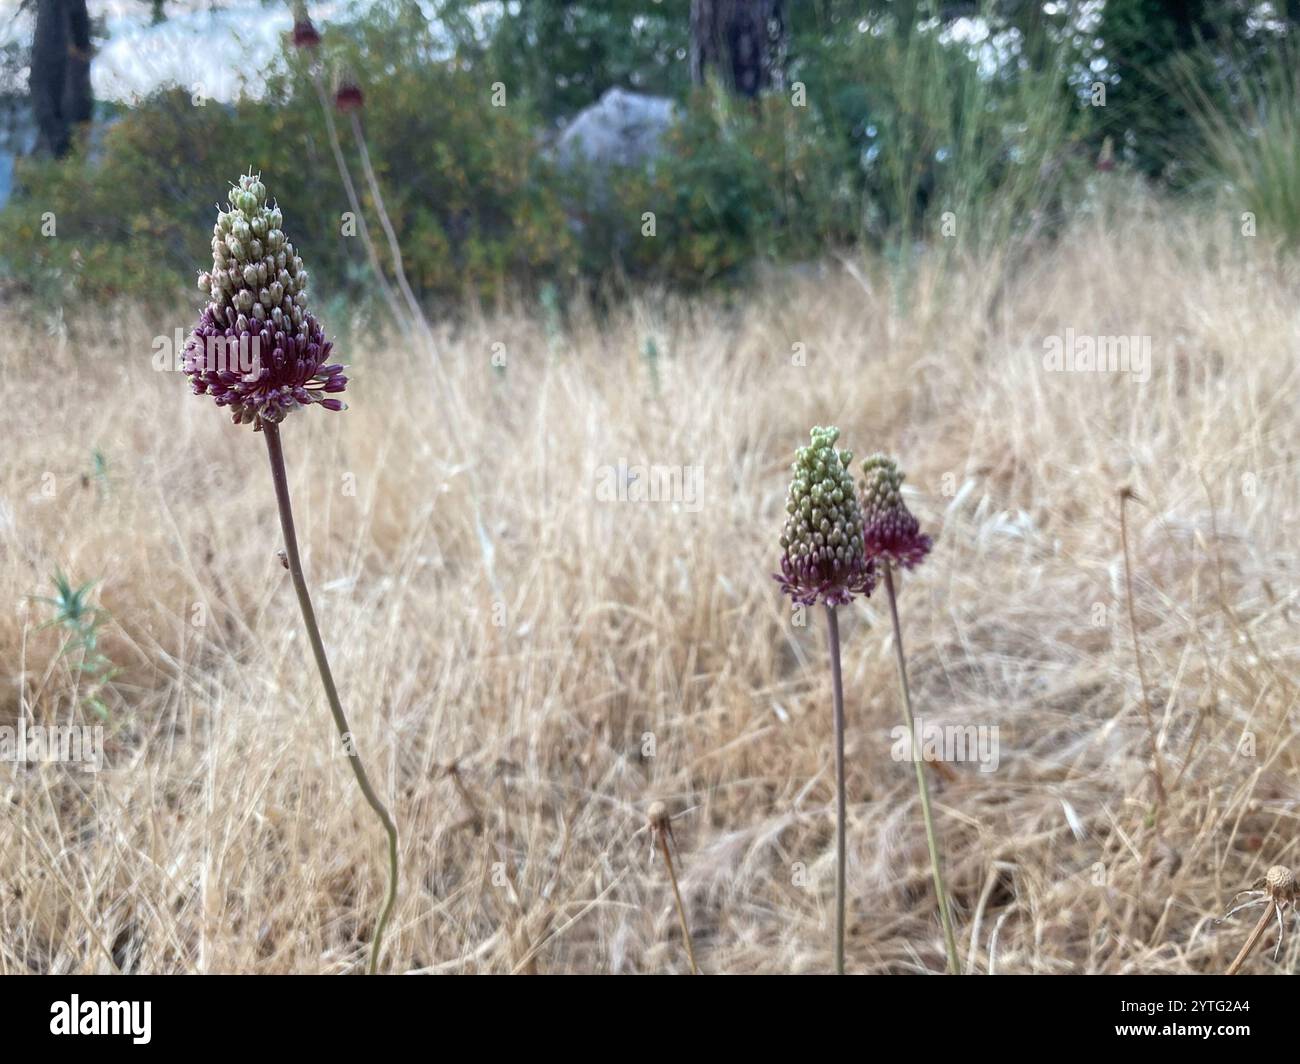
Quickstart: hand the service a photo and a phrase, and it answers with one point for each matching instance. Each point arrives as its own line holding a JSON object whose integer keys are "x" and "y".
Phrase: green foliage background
{"x": 899, "y": 128}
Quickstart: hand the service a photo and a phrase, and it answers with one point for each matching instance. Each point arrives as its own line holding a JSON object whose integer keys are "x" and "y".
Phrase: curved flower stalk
{"x": 349, "y": 100}
{"x": 306, "y": 38}
{"x": 822, "y": 560}
{"x": 258, "y": 350}
{"x": 893, "y": 537}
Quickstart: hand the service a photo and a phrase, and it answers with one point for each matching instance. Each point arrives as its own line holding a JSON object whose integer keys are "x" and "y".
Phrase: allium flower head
{"x": 822, "y": 548}
{"x": 304, "y": 32}
{"x": 347, "y": 92}
{"x": 891, "y": 532}
{"x": 256, "y": 347}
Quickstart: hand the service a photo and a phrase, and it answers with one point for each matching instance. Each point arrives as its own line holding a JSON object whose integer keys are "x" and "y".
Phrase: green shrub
{"x": 464, "y": 182}
{"x": 927, "y": 129}
{"x": 735, "y": 181}
{"x": 875, "y": 137}
{"x": 1246, "y": 113}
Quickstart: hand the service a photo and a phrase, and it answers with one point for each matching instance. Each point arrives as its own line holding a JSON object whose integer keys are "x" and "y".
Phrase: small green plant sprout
{"x": 552, "y": 307}
{"x": 650, "y": 353}
{"x": 661, "y": 832}
{"x": 258, "y": 289}
{"x": 98, "y": 472}
{"x": 1277, "y": 893}
{"x": 822, "y": 560}
{"x": 81, "y": 623}
{"x": 893, "y": 538}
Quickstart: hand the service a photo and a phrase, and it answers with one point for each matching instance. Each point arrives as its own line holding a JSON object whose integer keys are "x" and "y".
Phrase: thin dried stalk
{"x": 1157, "y": 768}
{"x": 661, "y": 828}
{"x": 1251, "y": 942}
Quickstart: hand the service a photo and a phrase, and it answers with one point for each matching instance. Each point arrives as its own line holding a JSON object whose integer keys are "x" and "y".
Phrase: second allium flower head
{"x": 258, "y": 291}
{"x": 822, "y": 546}
{"x": 890, "y": 530}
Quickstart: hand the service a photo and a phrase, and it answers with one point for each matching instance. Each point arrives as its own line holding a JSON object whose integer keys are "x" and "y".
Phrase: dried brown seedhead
{"x": 1276, "y": 892}
{"x": 1280, "y": 884}
{"x": 657, "y": 817}
{"x": 661, "y": 832}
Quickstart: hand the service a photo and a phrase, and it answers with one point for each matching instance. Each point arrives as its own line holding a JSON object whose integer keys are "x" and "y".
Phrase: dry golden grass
{"x": 227, "y": 834}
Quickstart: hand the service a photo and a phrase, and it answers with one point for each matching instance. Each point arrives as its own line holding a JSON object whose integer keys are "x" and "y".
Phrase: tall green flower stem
{"x": 950, "y": 941}
{"x": 833, "y": 638}
{"x": 274, "y": 450}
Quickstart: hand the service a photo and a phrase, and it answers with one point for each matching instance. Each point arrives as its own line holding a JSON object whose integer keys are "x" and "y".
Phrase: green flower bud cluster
{"x": 256, "y": 280}
{"x": 882, "y": 484}
{"x": 822, "y": 541}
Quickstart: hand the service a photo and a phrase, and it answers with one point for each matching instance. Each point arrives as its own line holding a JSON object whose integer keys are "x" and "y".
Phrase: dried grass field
{"x": 528, "y": 664}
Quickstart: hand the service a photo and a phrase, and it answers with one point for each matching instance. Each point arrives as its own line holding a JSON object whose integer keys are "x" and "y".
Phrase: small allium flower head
{"x": 891, "y": 532}
{"x": 304, "y": 33}
{"x": 822, "y": 548}
{"x": 256, "y": 347}
{"x": 348, "y": 96}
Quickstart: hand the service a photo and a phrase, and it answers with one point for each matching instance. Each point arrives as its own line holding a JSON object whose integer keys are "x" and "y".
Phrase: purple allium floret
{"x": 294, "y": 375}
{"x": 822, "y": 557}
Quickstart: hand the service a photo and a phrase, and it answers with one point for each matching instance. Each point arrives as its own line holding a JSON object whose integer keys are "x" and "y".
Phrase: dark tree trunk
{"x": 78, "y": 99}
{"x": 60, "y": 73}
{"x": 741, "y": 40}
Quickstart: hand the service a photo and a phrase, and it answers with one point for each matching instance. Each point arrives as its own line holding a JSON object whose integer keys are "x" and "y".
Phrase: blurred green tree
{"x": 563, "y": 54}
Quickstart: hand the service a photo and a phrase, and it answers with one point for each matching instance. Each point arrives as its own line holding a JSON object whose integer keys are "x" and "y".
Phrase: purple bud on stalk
{"x": 348, "y": 97}
{"x": 304, "y": 32}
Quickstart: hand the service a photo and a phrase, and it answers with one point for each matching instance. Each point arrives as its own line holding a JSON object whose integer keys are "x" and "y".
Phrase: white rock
{"x": 622, "y": 129}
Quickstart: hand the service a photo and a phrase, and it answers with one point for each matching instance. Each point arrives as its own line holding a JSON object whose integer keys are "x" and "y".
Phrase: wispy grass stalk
{"x": 1157, "y": 767}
